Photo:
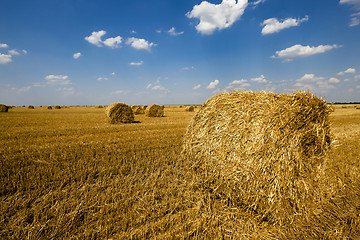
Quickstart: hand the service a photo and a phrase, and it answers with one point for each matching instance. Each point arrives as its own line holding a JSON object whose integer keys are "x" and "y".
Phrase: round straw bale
{"x": 138, "y": 110}
{"x": 259, "y": 150}
{"x": 144, "y": 107}
{"x": 154, "y": 110}
{"x": 190, "y": 108}
{"x": 57, "y": 107}
{"x": 99, "y": 106}
{"x": 119, "y": 113}
{"x": 31, "y": 107}
{"x": 49, "y": 107}
{"x": 3, "y": 108}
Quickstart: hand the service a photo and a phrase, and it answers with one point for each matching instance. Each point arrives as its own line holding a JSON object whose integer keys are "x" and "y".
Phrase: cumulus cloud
{"x": 95, "y": 38}
{"x": 188, "y": 68}
{"x": 172, "y": 32}
{"x": 113, "y": 42}
{"x": 136, "y": 63}
{"x": 213, "y": 84}
{"x": 217, "y": 16}
{"x": 57, "y": 79}
{"x": 238, "y": 84}
{"x": 20, "y": 90}
{"x": 314, "y": 83}
{"x": 13, "y": 52}
{"x": 273, "y": 25}
{"x": 5, "y": 58}
{"x": 76, "y": 55}
{"x": 3, "y": 45}
{"x": 158, "y": 87}
{"x": 260, "y": 79}
{"x": 139, "y": 43}
{"x": 298, "y": 51}
{"x": 349, "y": 70}
{"x": 354, "y": 3}
{"x": 334, "y": 80}
{"x": 197, "y": 87}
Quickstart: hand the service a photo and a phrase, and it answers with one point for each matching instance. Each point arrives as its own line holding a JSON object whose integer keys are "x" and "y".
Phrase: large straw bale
{"x": 154, "y": 110}
{"x": 119, "y": 113}
{"x": 3, "y": 108}
{"x": 190, "y": 108}
{"x": 57, "y": 107}
{"x": 49, "y": 107}
{"x": 31, "y": 107}
{"x": 259, "y": 151}
{"x": 138, "y": 110}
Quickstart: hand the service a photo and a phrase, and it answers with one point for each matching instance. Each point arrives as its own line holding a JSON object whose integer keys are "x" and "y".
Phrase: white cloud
{"x": 188, "y": 68}
{"x": 273, "y": 25}
{"x": 238, "y": 84}
{"x": 120, "y": 92}
{"x": 20, "y": 90}
{"x": 95, "y": 38}
{"x": 334, "y": 80}
{"x": 260, "y": 79}
{"x": 172, "y": 32}
{"x": 354, "y": 3}
{"x": 257, "y": 2}
{"x": 149, "y": 85}
{"x": 76, "y": 55}
{"x": 3, "y": 45}
{"x": 315, "y": 84}
{"x": 159, "y": 31}
{"x": 140, "y": 44}
{"x": 136, "y": 63}
{"x": 66, "y": 91}
{"x": 217, "y": 16}
{"x": 113, "y": 42}
{"x": 349, "y": 70}
{"x": 355, "y": 19}
{"x": 5, "y": 58}
{"x": 24, "y": 51}
{"x": 102, "y": 78}
{"x": 13, "y": 52}
{"x": 298, "y": 51}
{"x": 213, "y": 84}
{"x": 113, "y": 73}
{"x": 133, "y": 32}
{"x": 57, "y": 79}
{"x": 197, "y": 87}
{"x": 158, "y": 87}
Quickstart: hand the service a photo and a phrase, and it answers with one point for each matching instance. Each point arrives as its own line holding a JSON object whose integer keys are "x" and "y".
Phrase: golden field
{"x": 69, "y": 174}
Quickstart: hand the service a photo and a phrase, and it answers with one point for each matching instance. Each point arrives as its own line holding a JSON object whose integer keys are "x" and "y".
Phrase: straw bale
{"x": 119, "y": 113}
{"x": 190, "y": 108}
{"x": 3, "y": 108}
{"x": 31, "y": 107}
{"x": 57, "y": 107}
{"x": 138, "y": 110}
{"x": 144, "y": 107}
{"x": 260, "y": 151}
{"x": 49, "y": 107}
{"x": 99, "y": 106}
{"x": 154, "y": 110}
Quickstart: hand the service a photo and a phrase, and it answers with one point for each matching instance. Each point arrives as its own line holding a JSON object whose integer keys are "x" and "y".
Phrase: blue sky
{"x": 90, "y": 52}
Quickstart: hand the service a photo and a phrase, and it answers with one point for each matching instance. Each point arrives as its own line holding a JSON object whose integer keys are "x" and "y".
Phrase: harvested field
{"x": 69, "y": 174}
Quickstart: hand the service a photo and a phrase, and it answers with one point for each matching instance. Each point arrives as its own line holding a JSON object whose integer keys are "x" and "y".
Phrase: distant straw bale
{"x": 3, "y": 108}
{"x": 259, "y": 150}
{"x": 99, "y": 106}
{"x": 49, "y": 107}
{"x": 119, "y": 113}
{"x": 154, "y": 110}
{"x": 31, "y": 107}
{"x": 138, "y": 110}
{"x": 190, "y": 108}
{"x": 57, "y": 107}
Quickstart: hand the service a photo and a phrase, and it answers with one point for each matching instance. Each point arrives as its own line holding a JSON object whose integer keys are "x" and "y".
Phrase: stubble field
{"x": 68, "y": 174}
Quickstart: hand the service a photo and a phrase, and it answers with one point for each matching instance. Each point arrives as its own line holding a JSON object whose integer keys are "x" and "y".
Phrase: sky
{"x": 96, "y": 52}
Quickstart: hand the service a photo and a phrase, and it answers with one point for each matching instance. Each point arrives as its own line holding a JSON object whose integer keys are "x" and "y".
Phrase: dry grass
{"x": 70, "y": 175}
